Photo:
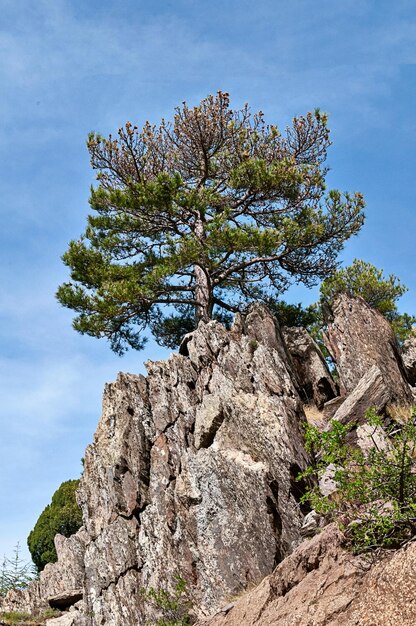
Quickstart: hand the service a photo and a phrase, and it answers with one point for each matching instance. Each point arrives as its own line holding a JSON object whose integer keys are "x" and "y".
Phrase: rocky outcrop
{"x": 60, "y": 584}
{"x": 191, "y": 473}
{"x": 315, "y": 380}
{"x": 370, "y": 391}
{"x": 409, "y": 359}
{"x": 321, "y": 584}
{"x": 359, "y": 338}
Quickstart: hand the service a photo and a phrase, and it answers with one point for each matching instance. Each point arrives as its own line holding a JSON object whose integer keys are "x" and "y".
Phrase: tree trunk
{"x": 203, "y": 295}
{"x": 203, "y": 287}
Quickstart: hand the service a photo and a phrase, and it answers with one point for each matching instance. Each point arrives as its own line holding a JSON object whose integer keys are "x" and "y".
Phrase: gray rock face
{"x": 60, "y": 584}
{"x": 191, "y": 473}
{"x": 371, "y": 391}
{"x": 316, "y": 382}
{"x": 358, "y": 338}
{"x": 409, "y": 359}
{"x": 331, "y": 407}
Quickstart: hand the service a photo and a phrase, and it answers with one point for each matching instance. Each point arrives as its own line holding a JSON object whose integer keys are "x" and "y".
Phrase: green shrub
{"x": 17, "y": 618}
{"x": 293, "y": 314}
{"x": 375, "y": 500}
{"x": 173, "y": 607}
{"x": 62, "y": 516}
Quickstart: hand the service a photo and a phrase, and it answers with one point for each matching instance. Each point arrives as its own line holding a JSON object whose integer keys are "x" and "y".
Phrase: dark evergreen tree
{"x": 196, "y": 217}
{"x": 62, "y": 516}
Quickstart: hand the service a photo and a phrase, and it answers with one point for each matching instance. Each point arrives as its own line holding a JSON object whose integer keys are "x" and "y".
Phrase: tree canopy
{"x": 365, "y": 280}
{"x": 62, "y": 516}
{"x": 194, "y": 218}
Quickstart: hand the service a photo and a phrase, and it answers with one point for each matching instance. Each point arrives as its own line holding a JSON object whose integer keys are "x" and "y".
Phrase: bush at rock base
{"x": 62, "y": 516}
{"x": 173, "y": 606}
{"x": 374, "y": 501}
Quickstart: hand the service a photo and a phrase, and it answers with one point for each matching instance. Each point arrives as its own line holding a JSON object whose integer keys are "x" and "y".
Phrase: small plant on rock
{"x": 375, "y": 497}
{"x": 173, "y": 607}
{"x": 15, "y": 618}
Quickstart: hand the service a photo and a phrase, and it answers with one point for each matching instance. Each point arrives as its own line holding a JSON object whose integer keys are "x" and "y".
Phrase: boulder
{"x": 316, "y": 383}
{"x": 371, "y": 391}
{"x": 66, "y": 619}
{"x": 61, "y": 583}
{"x": 331, "y": 407}
{"x": 321, "y": 584}
{"x": 359, "y": 337}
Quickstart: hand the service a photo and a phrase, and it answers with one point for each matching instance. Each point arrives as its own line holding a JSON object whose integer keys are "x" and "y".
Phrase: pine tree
{"x": 15, "y": 573}
{"x": 196, "y": 217}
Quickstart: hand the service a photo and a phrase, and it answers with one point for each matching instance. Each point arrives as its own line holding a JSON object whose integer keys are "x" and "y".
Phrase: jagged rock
{"x": 24, "y": 600}
{"x": 60, "y": 584}
{"x": 316, "y": 382}
{"x": 327, "y": 482}
{"x": 409, "y": 359}
{"x": 371, "y": 391}
{"x": 369, "y": 437}
{"x": 321, "y": 584}
{"x": 67, "y": 619}
{"x": 66, "y": 599}
{"x": 331, "y": 407}
{"x": 358, "y": 338}
{"x": 192, "y": 472}
{"x": 65, "y": 578}
{"x": 312, "y": 524}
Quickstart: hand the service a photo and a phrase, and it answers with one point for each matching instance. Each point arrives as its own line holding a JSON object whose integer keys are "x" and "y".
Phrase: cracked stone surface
{"x": 191, "y": 473}
{"x": 409, "y": 359}
{"x": 61, "y": 582}
{"x": 321, "y": 584}
{"x": 358, "y": 338}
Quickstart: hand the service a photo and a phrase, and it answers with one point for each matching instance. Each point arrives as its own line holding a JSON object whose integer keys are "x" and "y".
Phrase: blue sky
{"x": 69, "y": 67}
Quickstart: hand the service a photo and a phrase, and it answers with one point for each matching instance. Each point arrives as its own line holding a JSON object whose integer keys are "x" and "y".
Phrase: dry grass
{"x": 16, "y": 618}
{"x": 313, "y": 415}
{"x": 253, "y": 584}
{"x": 400, "y": 413}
